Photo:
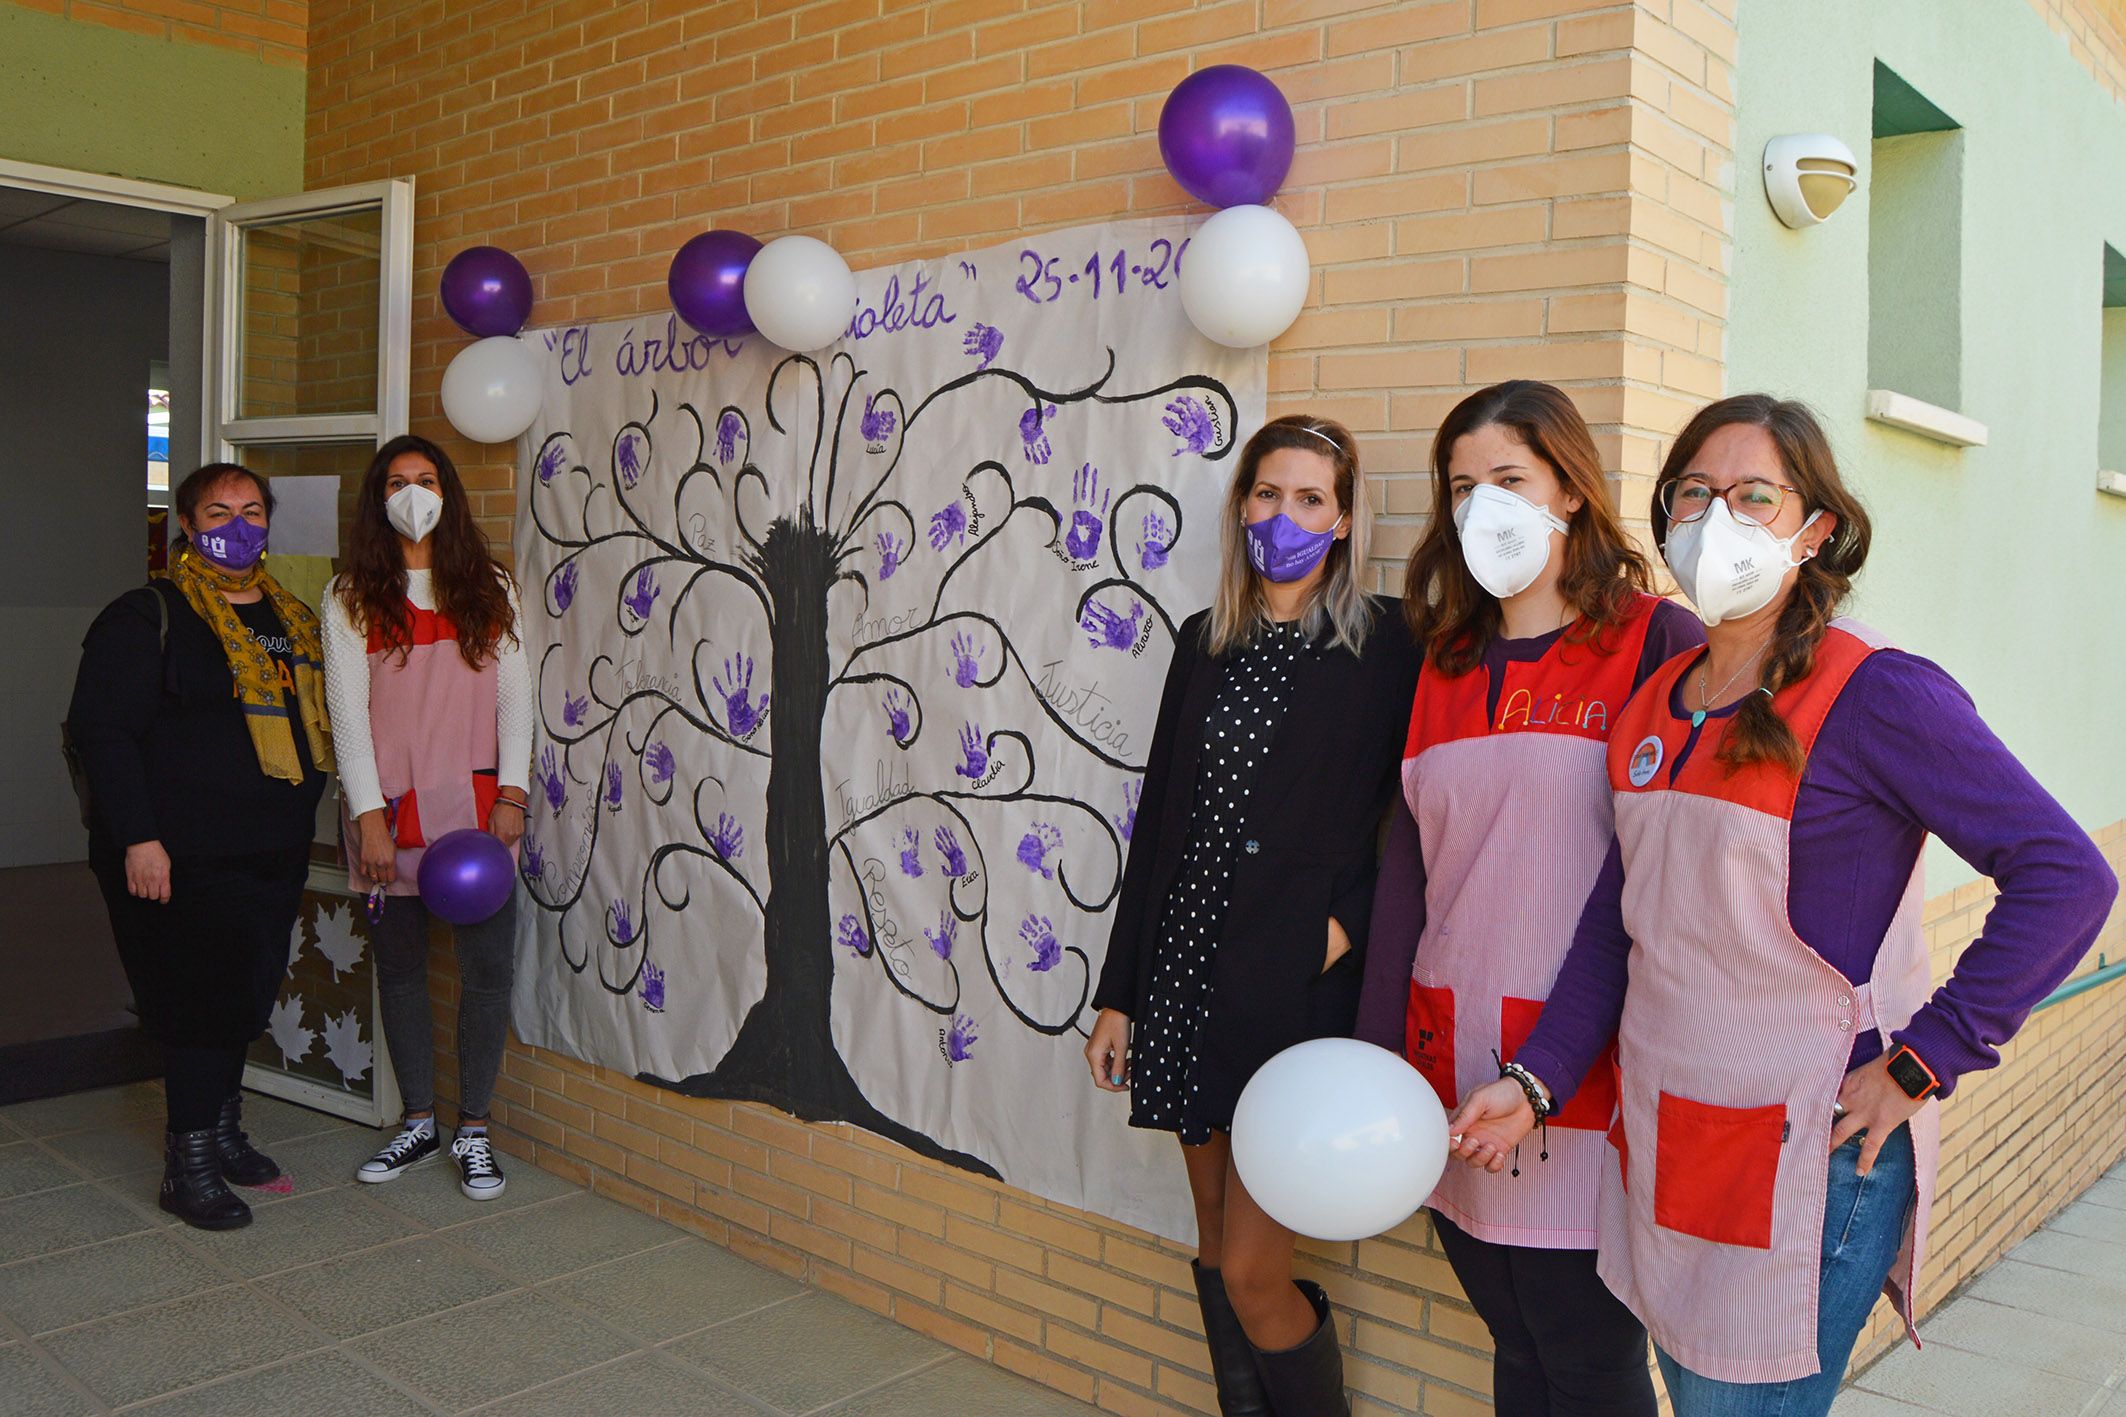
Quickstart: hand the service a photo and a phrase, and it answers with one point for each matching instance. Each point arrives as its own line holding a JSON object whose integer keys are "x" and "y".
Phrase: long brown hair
{"x": 1339, "y": 601}
{"x": 1452, "y": 616}
{"x": 1757, "y": 733}
{"x": 472, "y": 588}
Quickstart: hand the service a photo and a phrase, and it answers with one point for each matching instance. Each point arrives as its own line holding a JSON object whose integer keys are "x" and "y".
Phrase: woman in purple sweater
{"x": 1754, "y": 941}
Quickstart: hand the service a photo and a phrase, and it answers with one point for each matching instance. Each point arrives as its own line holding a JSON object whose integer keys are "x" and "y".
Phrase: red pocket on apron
{"x": 1428, "y": 1040}
{"x": 1616, "y": 1128}
{"x": 1594, "y": 1101}
{"x": 1715, "y": 1169}
{"x": 404, "y": 813}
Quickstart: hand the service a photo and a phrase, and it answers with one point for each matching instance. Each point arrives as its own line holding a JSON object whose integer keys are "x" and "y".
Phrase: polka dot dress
{"x": 1250, "y": 703}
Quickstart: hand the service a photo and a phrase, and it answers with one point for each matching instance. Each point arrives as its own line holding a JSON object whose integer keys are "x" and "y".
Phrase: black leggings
{"x": 196, "y": 1081}
{"x": 1566, "y": 1347}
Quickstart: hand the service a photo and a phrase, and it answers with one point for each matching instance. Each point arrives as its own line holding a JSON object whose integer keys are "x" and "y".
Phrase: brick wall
{"x": 1487, "y": 187}
{"x": 2095, "y": 31}
{"x": 274, "y": 30}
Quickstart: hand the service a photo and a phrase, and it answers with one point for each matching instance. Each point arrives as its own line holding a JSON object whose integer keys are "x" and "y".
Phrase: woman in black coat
{"x": 1244, "y": 906}
{"x": 199, "y": 720}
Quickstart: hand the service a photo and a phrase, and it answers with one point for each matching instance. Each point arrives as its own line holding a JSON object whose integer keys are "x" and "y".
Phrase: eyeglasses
{"x": 1689, "y": 498}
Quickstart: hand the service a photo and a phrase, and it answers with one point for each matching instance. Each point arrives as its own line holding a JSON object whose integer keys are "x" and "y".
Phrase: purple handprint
{"x": 728, "y": 429}
{"x": 877, "y": 425}
{"x": 949, "y": 847}
{"x": 1033, "y": 432}
{"x": 945, "y": 936}
{"x": 1132, "y": 794}
{"x": 1190, "y": 421}
{"x": 911, "y": 847}
{"x": 612, "y": 787}
{"x": 975, "y": 757}
{"x": 644, "y": 595}
{"x": 960, "y": 1039}
{"x": 1035, "y": 846}
{"x": 573, "y": 708}
{"x": 947, "y": 525}
{"x": 653, "y": 988}
{"x": 658, "y": 758}
{"x": 985, "y": 342}
{"x": 620, "y": 923}
{"x": 890, "y": 551}
{"x": 534, "y": 867}
{"x": 728, "y": 841}
{"x": 1039, "y": 932}
{"x": 966, "y": 660}
{"x": 1155, "y": 542}
{"x": 551, "y": 781}
{"x": 550, "y": 462}
{"x": 740, "y": 712}
{"x": 628, "y": 454}
{"x": 1107, "y": 630}
{"x": 897, "y": 723}
{"x": 1083, "y": 542}
{"x": 565, "y": 587}
{"x": 852, "y": 938}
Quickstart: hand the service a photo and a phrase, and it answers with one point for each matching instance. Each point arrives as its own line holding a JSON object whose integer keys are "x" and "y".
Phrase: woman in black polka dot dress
{"x": 1244, "y": 906}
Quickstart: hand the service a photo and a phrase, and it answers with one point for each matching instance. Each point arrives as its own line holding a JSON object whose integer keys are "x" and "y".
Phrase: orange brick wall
{"x": 1487, "y": 187}
{"x": 274, "y": 30}
{"x": 2095, "y": 31}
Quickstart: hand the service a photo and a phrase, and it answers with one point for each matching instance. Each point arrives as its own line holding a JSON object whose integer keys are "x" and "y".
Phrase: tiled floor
{"x": 2041, "y": 1334}
{"x": 407, "y": 1298}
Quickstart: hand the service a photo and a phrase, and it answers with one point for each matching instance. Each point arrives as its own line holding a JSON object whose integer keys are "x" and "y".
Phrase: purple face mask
{"x": 235, "y": 545}
{"x": 1280, "y": 549}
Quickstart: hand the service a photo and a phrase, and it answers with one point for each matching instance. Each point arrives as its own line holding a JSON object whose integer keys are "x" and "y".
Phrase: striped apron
{"x": 1514, "y": 816}
{"x": 1734, "y": 1042}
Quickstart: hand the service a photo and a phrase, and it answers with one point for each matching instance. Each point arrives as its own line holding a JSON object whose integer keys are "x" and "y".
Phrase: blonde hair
{"x": 1338, "y": 603}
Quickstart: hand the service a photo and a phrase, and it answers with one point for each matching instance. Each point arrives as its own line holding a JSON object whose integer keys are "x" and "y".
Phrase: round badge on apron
{"x": 1645, "y": 760}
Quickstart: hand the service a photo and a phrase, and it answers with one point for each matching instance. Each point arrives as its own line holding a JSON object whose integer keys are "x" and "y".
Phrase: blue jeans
{"x": 1863, "y": 1228}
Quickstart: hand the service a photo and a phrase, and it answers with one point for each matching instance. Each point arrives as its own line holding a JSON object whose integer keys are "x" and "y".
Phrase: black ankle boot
{"x": 1232, "y": 1360}
{"x": 1307, "y": 1381}
{"x": 192, "y": 1187}
{"x": 242, "y": 1164}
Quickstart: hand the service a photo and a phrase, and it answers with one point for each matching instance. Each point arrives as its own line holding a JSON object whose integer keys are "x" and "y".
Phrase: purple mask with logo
{"x": 235, "y": 545}
{"x": 1280, "y": 549}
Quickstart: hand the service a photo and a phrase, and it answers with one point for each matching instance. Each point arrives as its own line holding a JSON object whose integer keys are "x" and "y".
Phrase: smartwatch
{"x": 1910, "y": 1074}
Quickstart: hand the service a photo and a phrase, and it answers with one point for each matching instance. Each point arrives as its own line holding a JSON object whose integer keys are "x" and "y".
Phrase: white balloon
{"x": 1339, "y": 1139}
{"x": 800, "y": 293}
{"x": 1244, "y": 277}
{"x": 491, "y": 389}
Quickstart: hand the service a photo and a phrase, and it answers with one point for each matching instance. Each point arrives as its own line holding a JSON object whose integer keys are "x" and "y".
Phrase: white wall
{"x": 77, "y": 337}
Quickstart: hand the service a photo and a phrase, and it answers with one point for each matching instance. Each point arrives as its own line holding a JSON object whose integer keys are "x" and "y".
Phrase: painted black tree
{"x": 690, "y": 510}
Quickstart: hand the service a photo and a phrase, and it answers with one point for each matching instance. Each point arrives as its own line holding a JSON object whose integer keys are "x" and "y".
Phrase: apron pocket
{"x": 1428, "y": 1040}
{"x": 1715, "y": 1169}
{"x": 1594, "y": 1101}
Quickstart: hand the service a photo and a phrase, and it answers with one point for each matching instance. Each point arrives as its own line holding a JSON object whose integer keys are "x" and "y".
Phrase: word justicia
{"x": 922, "y": 309}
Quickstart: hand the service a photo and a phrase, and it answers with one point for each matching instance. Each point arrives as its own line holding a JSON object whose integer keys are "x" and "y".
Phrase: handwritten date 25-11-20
{"x": 1039, "y": 281}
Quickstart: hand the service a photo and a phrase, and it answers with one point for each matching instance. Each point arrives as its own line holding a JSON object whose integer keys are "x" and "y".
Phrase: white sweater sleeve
{"x": 513, "y": 704}
{"x": 347, "y": 700}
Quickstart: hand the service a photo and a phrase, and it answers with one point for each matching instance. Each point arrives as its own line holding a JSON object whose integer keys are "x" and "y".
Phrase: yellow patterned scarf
{"x": 258, "y": 682}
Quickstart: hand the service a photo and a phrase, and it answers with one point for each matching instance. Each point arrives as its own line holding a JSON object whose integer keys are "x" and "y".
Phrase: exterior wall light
{"x": 1807, "y": 176}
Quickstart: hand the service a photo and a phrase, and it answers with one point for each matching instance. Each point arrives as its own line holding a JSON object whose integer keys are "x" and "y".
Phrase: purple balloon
{"x": 708, "y": 283}
{"x": 487, "y": 291}
{"x": 1226, "y": 134}
{"x": 467, "y": 875}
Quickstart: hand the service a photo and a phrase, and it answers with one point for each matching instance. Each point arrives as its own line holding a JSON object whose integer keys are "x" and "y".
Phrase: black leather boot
{"x": 1307, "y": 1381}
{"x": 1232, "y": 1359}
{"x": 242, "y": 1164}
{"x": 192, "y": 1187}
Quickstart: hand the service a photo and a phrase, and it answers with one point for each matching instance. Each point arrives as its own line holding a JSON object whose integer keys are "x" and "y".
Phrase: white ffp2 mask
{"x": 414, "y": 510}
{"x": 1505, "y": 538}
{"x": 1730, "y": 566}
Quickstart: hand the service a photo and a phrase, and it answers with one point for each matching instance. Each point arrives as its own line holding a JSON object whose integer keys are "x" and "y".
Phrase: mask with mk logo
{"x": 1730, "y": 566}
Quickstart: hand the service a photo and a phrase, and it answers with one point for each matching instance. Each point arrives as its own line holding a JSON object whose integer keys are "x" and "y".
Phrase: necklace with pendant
{"x": 1705, "y": 700}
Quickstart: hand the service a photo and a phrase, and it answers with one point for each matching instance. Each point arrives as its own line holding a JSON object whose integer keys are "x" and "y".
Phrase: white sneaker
{"x": 478, "y": 1175}
{"x": 414, "y": 1144}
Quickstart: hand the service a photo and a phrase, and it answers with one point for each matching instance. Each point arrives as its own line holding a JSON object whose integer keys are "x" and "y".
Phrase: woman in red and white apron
{"x": 1533, "y": 611}
{"x": 1755, "y": 941}
{"x": 426, "y": 677}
